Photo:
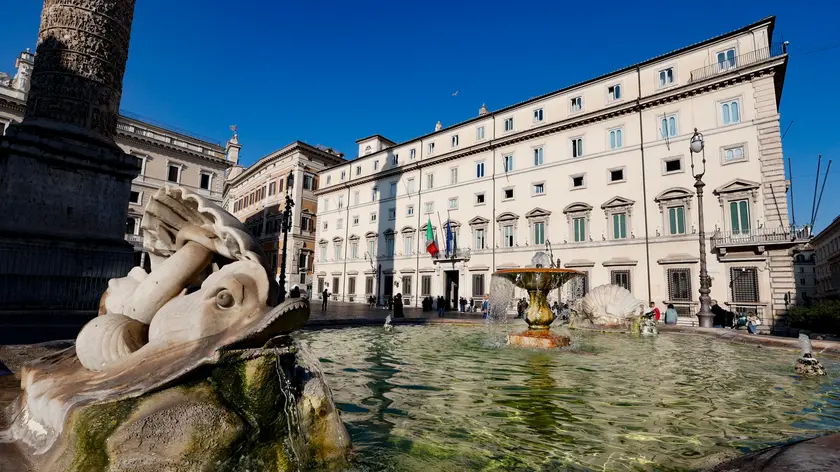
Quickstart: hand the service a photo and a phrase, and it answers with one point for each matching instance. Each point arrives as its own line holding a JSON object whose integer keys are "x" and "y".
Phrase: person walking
{"x": 485, "y": 306}
{"x": 324, "y": 295}
{"x": 671, "y": 315}
{"x": 440, "y": 307}
{"x": 398, "y": 306}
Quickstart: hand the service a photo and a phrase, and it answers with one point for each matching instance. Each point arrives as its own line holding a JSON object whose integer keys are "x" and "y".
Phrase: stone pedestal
{"x": 64, "y": 183}
{"x": 538, "y": 338}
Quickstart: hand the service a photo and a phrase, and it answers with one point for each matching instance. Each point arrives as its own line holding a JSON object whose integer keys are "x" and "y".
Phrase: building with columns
{"x": 167, "y": 155}
{"x": 599, "y": 173}
{"x": 256, "y": 196}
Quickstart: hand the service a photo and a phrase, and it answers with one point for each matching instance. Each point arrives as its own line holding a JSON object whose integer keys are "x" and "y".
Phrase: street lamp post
{"x": 705, "y": 316}
{"x": 287, "y": 223}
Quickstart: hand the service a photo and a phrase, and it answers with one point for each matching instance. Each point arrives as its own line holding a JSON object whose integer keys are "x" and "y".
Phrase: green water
{"x": 448, "y": 398}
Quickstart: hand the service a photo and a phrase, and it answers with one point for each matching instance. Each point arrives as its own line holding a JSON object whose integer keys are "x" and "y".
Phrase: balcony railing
{"x": 460, "y": 254}
{"x": 134, "y": 239}
{"x": 793, "y": 234}
{"x": 737, "y": 62}
{"x": 214, "y": 194}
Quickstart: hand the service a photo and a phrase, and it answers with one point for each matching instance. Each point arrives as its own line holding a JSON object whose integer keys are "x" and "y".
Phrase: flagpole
{"x": 440, "y": 223}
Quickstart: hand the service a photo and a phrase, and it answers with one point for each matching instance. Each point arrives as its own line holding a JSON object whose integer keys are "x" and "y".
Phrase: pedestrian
{"x": 671, "y": 315}
{"x": 398, "y": 306}
{"x": 520, "y": 307}
{"x": 565, "y": 312}
{"x": 390, "y": 303}
{"x": 555, "y": 308}
{"x": 485, "y": 306}
{"x": 653, "y": 312}
{"x": 324, "y": 295}
{"x": 295, "y": 293}
{"x": 463, "y": 303}
{"x": 440, "y": 307}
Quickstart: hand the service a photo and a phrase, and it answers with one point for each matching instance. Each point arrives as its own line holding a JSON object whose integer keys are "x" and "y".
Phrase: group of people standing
{"x": 670, "y": 313}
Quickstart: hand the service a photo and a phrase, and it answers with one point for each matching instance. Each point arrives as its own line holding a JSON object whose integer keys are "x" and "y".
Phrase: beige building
{"x": 599, "y": 172}
{"x": 805, "y": 273}
{"x": 167, "y": 155}
{"x": 826, "y": 246}
{"x": 256, "y": 196}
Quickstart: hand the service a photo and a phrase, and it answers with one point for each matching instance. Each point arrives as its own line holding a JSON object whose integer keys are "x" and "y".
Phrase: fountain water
{"x": 539, "y": 281}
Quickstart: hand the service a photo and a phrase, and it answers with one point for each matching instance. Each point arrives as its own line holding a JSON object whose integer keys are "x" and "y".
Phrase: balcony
{"x": 212, "y": 194}
{"x": 460, "y": 254}
{"x": 760, "y": 237}
{"x": 737, "y": 62}
{"x": 135, "y": 240}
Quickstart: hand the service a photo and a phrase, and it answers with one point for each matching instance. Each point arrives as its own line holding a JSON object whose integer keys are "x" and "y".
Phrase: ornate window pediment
{"x": 478, "y": 221}
{"x": 407, "y": 229}
{"x": 322, "y": 241}
{"x": 737, "y": 185}
{"x": 370, "y": 235}
{"x": 674, "y": 193}
{"x": 423, "y": 228}
{"x": 537, "y": 213}
{"x": 354, "y": 237}
{"x": 388, "y": 232}
{"x": 452, "y": 223}
{"x": 617, "y": 203}
{"x": 577, "y": 207}
{"x": 506, "y": 217}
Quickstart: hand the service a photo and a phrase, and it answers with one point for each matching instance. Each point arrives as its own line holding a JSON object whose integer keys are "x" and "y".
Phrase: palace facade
{"x": 599, "y": 174}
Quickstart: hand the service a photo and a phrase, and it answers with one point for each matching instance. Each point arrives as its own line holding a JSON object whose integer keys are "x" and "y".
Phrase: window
{"x": 343, "y": 174}
{"x": 666, "y": 77}
{"x": 479, "y": 133}
{"x": 389, "y": 246}
{"x": 392, "y": 213}
{"x": 676, "y": 220}
{"x": 373, "y": 217}
{"x": 453, "y": 203}
{"x": 323, "y": 253}
{"x": 508, "y": 124}
{"x": 375, "y": 194}
{"x": 730, "y": 112}
{"x": 431, "y": 149}
{"x": 616, "y": 139}
{"x": 429, "y": 207}
{"x": 358, "y": 170}
{"x": 337, "y": 252}
{"x": 351, "y": 286}
{"x": 619, "y": 222}
{"x": 455, "y": 140}
{"x": 339, "y": 224}
{"x": 507, "y": 194}
{"x": 272, "y": 188}
{"x": 134, "y": 197}
{"x": 478, "y": 285}
{"x": 577, "y": 104}
{"x": 393, "y": 189}
{"x": 578, "y": 181}
{"x": 673, "y": 165}
{"x": 739, "y": 214}
{"x": 453, "y": 175}
{"x": 305, "y": 223}
{"x": 371, "y": 247}
{"x": 538, "y": 115}
{"x": 354, "y": 250}
{"x": 620, "y": 278}
{"x": 356, "y": 197}
{"x": 206, "y": 180}
{"x": 668, "y": 126}
{"x": 577, "y": 147}
{"x": 341, "y": 201}
{"x": 409, "y": 210}
{"x": 539, "y": 233}
{"x": 507, "y": 162}
{"x": 426, "y": 285}
{"x": 679, "y": 285}
{"x": 507, "y": 236}
{"x": 406, "y": 285}
{"x": 335, "y": 285}
{"x": 617, "y": 175}
{"x": 430, "y": 181}
{"x": 329, "y": 178}
{"x": 479, "y": 239}
{"x": 580, "y": 229}
{"x": 174, "y": 174}
{"x": 131, "y": 226}
{"x": 368, "y": 285}
{"x": 744, "y": 283}
{"x": 539, "y": 189}
{"x": 395, "y": 159}
{"x": 326, "y": 226}
{"x": 412, "y": 155}
{"x": 410, "y": 185}
{"x": 726, "y": 59}
{"x": 479, "y": 169}
{"x": 614, "y": 92}
{"x": 538, "y": 156}
{"x": 479, "y": 198}
{"x": 734, "y": 154}
{"x": 409, "y": 244}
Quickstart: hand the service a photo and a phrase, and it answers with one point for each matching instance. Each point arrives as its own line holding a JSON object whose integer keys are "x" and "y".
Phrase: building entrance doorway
{"x": 450, "y": 289}
{"x": 388, "y": 288}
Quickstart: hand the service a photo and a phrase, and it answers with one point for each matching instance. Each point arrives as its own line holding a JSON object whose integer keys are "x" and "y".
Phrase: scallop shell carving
{"x": 610, "y": 305}
{"x": 107, "y": 339}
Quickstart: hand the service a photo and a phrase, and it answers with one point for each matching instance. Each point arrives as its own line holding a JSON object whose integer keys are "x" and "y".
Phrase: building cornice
{"x": 279, "y": 154}
{"x": 134, "y": 138}
{"x": 767, "y": 67}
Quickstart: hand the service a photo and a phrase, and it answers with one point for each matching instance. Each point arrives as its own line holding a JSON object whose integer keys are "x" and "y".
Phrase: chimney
{"x": 483, "y": 110}
{"x": 438, "y": 126}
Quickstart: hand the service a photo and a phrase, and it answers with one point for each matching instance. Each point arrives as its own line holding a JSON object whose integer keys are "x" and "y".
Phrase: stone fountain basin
{"x": 538, "y": 278}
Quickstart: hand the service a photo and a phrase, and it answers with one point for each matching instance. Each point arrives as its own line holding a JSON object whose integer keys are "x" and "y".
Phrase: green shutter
{"x": 733, "y": 214}
{"x": 745, "y": 216}
{"x": 680, "y": 220}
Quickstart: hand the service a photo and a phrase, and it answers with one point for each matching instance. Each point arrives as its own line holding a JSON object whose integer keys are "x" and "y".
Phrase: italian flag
{"x": 431, "y": 245}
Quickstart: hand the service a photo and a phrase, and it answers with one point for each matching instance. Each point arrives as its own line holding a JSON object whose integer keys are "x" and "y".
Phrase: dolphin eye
{"x": 224, "y": 299}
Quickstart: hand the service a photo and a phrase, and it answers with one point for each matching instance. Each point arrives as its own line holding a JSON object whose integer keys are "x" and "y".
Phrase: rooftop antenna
{"x": 816, "y": 185}
{"x": 819, "y": 200}
{"x": 792, "y": 206}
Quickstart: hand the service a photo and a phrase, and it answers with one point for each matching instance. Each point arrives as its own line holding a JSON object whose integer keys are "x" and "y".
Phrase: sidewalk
{"x": 344, "y": 313}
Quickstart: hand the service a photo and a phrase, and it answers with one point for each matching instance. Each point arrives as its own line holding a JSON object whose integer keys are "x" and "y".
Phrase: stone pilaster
{"x": 773, "y": 183}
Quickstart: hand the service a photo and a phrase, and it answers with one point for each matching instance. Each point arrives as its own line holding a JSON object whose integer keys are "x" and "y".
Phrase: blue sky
{"x": 332, "y": 72}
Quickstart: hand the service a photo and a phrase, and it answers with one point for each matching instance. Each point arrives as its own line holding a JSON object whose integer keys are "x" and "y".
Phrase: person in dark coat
{"x": 295, "y": 292}
{"x": 324, "y": 295}
{"x": 398, "y": 306}
{"x": 440, "y": 306}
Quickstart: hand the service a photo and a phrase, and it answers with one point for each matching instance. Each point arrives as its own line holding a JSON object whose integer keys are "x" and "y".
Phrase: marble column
{"x": 64, "y": 183}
